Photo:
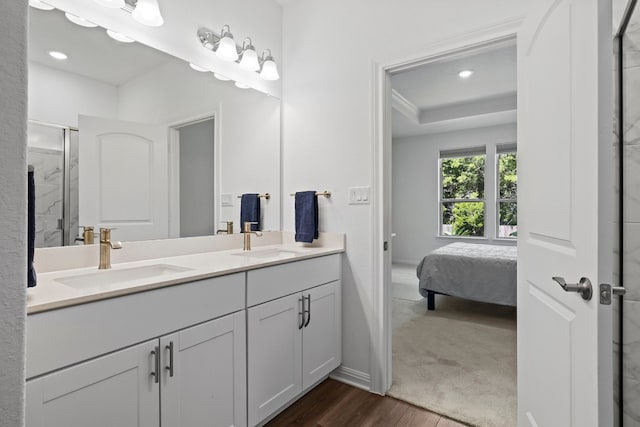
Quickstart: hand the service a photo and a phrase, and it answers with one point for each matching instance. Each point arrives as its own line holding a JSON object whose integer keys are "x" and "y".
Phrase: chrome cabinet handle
{"x": 301, "y": 312}
{"x": 583, "y": 287}
{"x": 308, "y": 310}
{"x": 156, "y": 364}
{"x": 170, "y": 367}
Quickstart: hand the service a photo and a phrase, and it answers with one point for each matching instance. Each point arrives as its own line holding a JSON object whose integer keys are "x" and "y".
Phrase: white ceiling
{"x": 437, "y": 100}
{"x": 92, "y": 53}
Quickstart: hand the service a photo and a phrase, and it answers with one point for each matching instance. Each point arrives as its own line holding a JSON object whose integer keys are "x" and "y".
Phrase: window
{"x": 506, "y": 192}
{"x": 462, "y": 204}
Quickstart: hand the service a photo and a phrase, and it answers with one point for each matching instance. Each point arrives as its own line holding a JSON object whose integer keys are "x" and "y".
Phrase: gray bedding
{"x": 473, "y": 271}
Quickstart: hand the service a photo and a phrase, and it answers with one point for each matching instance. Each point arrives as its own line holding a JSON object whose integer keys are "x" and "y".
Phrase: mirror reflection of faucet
{"x": 247, "y": 234}
{"x": 228, "y": 229}
{"x": 105, "y": 248}
{"x": 87, "y": 236}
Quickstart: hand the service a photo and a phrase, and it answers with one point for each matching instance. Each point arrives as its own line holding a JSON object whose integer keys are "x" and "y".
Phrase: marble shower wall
{"x": 48, "y": 167}
{"x": 631, "y": 215}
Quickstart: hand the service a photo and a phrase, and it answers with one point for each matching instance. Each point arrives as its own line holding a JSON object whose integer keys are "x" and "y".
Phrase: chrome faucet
{"x": 248, "y": 233}
{"x": 105, "y": 248}
{"x": 228, "y": 230}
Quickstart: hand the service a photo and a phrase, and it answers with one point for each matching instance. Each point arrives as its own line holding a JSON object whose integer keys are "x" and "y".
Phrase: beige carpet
{"x": 404, "y": 282}
{"x": 458, "y": 361}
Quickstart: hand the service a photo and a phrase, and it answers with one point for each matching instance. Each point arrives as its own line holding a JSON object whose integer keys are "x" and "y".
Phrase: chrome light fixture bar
{"x": 225, "y": 48}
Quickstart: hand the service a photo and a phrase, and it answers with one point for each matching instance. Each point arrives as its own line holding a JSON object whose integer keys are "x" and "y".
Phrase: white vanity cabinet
{"x": 293, "y": 331}
{"x": 84, "y": 368}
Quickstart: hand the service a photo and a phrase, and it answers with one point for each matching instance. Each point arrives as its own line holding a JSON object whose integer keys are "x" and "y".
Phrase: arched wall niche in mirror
{"x": 112, "y": 93}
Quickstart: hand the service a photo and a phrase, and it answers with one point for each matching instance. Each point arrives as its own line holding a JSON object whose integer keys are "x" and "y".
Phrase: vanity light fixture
{"x": 58, "y": 55}
{"x": 242, "y": 85}
{"x": 268, "y": 70}
{"x": 197, "y": 68}
{"x": 465, "y": 74}
{"x": 226, "y": 49}
{"x": 40, "y": 5}
{"x": 79, "y": 21}
{"x": 147, "y": 12}
{"x": 221, "y": 77}
{"x": 114, "y": 4}
{"x": 249, "y": 57}
{"x": 119, "y": 37}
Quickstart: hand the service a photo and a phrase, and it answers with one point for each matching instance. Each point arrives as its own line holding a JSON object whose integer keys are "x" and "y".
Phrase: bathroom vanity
{"x": 212, "y": 338}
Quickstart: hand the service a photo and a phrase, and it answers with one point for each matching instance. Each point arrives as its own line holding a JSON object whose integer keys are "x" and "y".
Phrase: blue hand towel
{"x": 306, "y": 216}
{"x": 31, "y": 227}
{"x": 250, "y": 211}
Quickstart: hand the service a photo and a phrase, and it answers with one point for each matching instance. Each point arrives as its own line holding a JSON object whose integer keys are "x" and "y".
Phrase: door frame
{"x": 174, "y": 167}
{"x": 380, "y": 320}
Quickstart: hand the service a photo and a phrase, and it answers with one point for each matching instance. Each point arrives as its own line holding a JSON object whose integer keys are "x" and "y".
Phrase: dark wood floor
{"x": 335, "y": 404}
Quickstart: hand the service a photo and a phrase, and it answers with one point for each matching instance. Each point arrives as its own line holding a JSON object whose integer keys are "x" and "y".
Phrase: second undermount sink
{"x": 271, "y": 253}
{"x": 111, "y": 277}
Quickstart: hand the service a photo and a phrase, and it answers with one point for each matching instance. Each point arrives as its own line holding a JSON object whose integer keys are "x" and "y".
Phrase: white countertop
{"x": 51, "y": 294}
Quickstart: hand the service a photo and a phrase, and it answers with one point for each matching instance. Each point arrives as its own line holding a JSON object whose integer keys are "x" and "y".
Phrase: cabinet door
{"x": 113, "y": 390}
{"x": 274, "y": 355}
{"x": 322, "y": 335}
{"x": 204, "y": 380}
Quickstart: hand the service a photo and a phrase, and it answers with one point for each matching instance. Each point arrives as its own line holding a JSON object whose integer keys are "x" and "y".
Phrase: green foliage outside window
{"x": 508, "y": 189}
{"x": 463, "y": 178}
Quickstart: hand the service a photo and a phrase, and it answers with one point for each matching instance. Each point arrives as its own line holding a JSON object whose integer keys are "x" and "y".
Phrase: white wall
{"x": 328, "y": 48}
{"x": 248, "y": 128}
{"x": 415, "y": 187}
{"x": 58, "y": 97}
{"x": 13, "y": 203}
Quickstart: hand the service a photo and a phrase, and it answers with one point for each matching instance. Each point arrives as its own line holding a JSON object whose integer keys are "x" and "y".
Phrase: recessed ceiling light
{"x": 465, "y": 74}
{"x": 198, "y": 68}
{"x": 221, "y": 77}
{"x": 79, "y": 21}
{"x": 115, "y": 4}
{"x": 242, "y": 85}
{"x": 58, "y": 55}
{"x": 119, "y": 37}
{"x": 40, "y": 5}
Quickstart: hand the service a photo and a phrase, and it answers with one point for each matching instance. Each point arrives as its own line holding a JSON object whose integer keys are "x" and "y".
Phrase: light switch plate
{"x": 226, "y": 199}
{"x": 359, "y": 195}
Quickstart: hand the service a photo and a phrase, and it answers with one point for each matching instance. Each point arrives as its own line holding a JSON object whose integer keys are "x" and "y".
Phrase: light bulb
{"x": 114, "y": 4}
{"x": 79, "y": 21}
{"x": 197, "y": 68}
{"x": 249, "y": 60}
{"x": 147, "y": 12}
{"x": 242, "y": 85}
{"x": 40, "y": 5}
{"x": 227, "y": 48}
{"x": 269, "y": 69}
{"x": 465, "y": 74}
{"x": 119, "y": 37}
{"x": 58, "y": 55}
{"x": 221, "y": 77}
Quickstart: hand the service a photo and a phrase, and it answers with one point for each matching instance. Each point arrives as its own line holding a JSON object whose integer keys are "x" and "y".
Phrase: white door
{"x": 113, "y": 390}
{"x": 123, "y": 174}
{"x": 274, "y": 355}
{"x": 566, "y": 224}
{"x": 322, "y": 333}
{"x": 204, "y": 374}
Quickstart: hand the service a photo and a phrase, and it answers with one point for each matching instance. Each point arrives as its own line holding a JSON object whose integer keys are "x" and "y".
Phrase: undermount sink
{"x": 110, "y": 277}
{"x": 271, "y": 253}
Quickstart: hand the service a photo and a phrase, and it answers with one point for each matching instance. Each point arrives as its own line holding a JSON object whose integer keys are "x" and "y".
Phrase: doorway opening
{"x": 193, "y": 178}
{"x": 454, "y": 207}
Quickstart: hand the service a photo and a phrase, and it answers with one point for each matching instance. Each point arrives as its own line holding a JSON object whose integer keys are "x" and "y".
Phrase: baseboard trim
{"x": 352, "y": 377}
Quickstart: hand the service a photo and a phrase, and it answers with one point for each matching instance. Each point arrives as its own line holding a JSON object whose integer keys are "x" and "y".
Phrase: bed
{"x": 478, "y": 272}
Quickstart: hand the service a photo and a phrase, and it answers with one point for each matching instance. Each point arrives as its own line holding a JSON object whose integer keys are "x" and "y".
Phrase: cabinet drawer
{"x": 266, "y": 284}
{"x": 63, "y": 337}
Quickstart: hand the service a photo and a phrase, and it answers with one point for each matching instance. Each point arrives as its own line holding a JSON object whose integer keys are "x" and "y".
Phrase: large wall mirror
{"x": 124, "y": 136}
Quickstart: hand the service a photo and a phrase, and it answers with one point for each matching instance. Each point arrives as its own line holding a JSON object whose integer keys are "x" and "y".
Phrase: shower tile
{"x": 631, "y": 107}
{"x": 631, "y": 340}
{"x": 631, "y": 184}
{"x": 631, "y": 261}
{"x": 631, "y": 416}
{"x": 631, "y": 43}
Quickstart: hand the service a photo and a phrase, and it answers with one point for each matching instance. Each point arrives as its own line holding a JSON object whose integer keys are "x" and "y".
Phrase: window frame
{"x": 461, "y": 153}
{"x": 508, "y": 148}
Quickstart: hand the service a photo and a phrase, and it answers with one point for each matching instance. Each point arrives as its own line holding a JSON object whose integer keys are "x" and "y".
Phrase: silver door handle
{"x": 606, "y": 291}
{"x": 583, "y": 287}
{"x": 170, "y": 367}
{"x": 156, "y": 364}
